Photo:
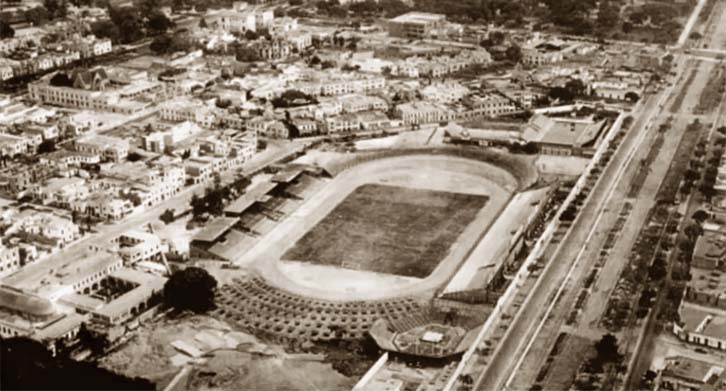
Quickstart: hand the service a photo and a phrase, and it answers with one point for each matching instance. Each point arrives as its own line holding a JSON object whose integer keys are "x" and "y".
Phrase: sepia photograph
{"x": 363, "y": 195}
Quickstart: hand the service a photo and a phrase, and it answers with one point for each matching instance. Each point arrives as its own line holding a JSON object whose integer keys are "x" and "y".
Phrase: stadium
{"x": 413, "y": 241}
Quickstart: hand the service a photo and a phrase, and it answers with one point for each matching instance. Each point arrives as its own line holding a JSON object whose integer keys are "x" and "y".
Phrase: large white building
{"x": 240, "y": 18}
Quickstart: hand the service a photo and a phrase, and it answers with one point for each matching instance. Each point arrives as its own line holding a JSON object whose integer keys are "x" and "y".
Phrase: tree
{"x": 576, "y": 87}
{"x": 607, "y": 349}
{"x": 55, "y": 8}
{"x": 190, "y": 289}
{"x": 608, "y": 14}
{"x": 198, "y": 205}
{"x": 167, "y": 217}
{"x": 514, "y": 53}
{"x": 161, "y": 44}
{"x": 632, "y": 96}
{"x": 36, "y": 15}
{"x": 562, "y": 94}
{"x": 46, "y": 146}
{"x": 700, "y": 216}
{"x": 159, "y": 23}
{"x": 246, "y": 54}
{"x": 202, "y": 23}
{"x": 106, "y": 29}
{"x": 6, "y": 31}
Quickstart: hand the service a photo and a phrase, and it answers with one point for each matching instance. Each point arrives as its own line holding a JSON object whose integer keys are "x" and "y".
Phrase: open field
{"x": 439, "y": 173}
{"x": 250, "y": 365}
{"x": 389, "y": 229}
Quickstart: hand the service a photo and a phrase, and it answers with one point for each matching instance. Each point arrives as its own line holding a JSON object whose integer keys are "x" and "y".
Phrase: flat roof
{"x": 234, "y": 244}
{"x": 151, "y": 284}
{"x": 254, "y": 194}
{"x": 711, "y": 321}
{"x": 708, "y": 281}
{"x": 692, "y": 369}
{"x": 419, "y": 17}
{"x": 61, "y": 326}
{"x": 84, "y": 301}
{"x": 215, "y": 228}
{"x": 287, "y": 175}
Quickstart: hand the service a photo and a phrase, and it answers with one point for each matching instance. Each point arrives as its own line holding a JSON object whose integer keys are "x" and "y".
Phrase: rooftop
{"x": 252, "y": 195}
{"x": 708, "y": 281}
{"x": 419, "y": 17}
{"x": 16, "y": 300}
{"x": 215, "y": 228}
{"x": 703, "y": 320}
{"x": 692, "y": 369}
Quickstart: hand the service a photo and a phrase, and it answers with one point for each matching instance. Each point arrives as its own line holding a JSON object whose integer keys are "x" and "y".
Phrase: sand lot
{"x": 251, "y": 365}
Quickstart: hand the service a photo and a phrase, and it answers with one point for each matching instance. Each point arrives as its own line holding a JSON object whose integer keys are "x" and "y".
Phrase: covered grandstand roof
{"x": 288, "y": 174}
{"x": 234, "y": 243}
{"x": 256, "y": 193}
{"x": 215, "y": 228}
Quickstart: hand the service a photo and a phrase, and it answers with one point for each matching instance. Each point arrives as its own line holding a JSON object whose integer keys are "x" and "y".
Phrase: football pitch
{"x": 389, "y": 229}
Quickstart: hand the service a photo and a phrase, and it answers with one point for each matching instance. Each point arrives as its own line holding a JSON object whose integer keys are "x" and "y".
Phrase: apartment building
{"x": 355, "y": 103}
{"x": 422, "y": 112}
{"x": 240, "y": 18}
{"x": 110, "y": 148}
{"x": 9, "y": 260}
{"x": 137, "y": 246}
{"x": 415, "y": 25}
{"x": 184, "y": 109}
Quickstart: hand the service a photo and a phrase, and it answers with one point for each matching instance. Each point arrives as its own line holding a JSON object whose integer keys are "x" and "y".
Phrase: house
{"x": 698, "y": 325}
{"x": 688, "y": 374}
{"x": 710, "y": 252}
{"x": 11, "y": 145}
{"x": 110, "y": 148}
{"x": 61, "y": 191}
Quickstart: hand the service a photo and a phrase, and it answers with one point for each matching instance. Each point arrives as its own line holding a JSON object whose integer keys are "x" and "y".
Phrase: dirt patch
{"x": 389, "y": 229}
{"x": 254, "y": 364}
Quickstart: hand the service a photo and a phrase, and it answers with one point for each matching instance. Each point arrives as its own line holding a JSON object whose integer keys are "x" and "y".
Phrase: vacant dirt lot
{"x": 250, "y": 365}
{"x": 389, "y": 229}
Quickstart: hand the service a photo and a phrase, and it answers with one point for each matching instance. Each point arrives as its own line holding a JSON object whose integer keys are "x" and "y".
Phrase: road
{"x": 507, "y": 360}
{"x": 30, "y": 277}
{"x": 536, "y": 310}
{"x": 690, "y": 23}
{"x": 642, "y": 355}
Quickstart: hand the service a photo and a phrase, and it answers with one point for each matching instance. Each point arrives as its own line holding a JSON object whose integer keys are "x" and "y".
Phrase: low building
{"x": 705, "y": 326}
{"x": 710, "y": 252}
{"x": 422, "y": 112}
{"x": 145, "y": 293}
{"x": 211, "y": 234}
{"x": 136, "y": 246}
{"x": 110, "y": 148}
{"x": 355, "y": 103}
{"x": 688, "y": 374}
{"x": 707, "y": 287}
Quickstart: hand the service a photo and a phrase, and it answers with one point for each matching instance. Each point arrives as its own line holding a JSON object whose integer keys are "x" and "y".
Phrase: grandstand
{"x": 254, "y": 305}
{"x": 433, "y": 332}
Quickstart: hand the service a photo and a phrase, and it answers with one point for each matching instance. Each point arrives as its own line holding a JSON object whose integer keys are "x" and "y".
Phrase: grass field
{"x": 389, "y": 229}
